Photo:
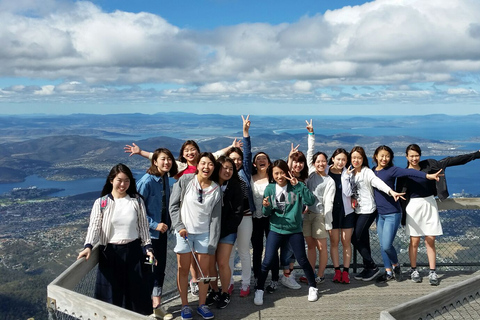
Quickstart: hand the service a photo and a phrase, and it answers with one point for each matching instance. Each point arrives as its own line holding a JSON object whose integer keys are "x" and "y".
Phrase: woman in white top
{"x": 118, "y": 222}
{"x": 363, "y": 201}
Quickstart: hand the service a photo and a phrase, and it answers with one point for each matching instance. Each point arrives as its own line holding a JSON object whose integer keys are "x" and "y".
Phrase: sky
{"x": 240, "y": 56}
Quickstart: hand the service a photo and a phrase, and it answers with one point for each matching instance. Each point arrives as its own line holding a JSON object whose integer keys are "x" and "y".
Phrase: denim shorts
{"x": 229, "y": 239}
{"x": 199, "y": 243}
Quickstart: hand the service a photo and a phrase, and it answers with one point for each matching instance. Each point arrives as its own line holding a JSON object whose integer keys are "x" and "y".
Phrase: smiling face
{"x": 205, "y": 167}
{"x": 237, "y": 159}
{"x": 321, "y": 164}
{"x": 226, "y": 171}
{"x": 190, "y": 153}
{"x": 339, "y": 161}
{"x": 279, "y": 176}
{"x": 163, "y": 163}
{"x": 357, "y": 159}
{"x": 261, "y": 162}
{"x": 383, "y": 158}
{"x": 297, "y": 166}
{"x": 120, "y": 185}
{"x": 413, "y": 158}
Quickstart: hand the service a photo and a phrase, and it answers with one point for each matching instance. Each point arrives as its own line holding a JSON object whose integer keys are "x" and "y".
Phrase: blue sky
{"x": 231, "y": 57}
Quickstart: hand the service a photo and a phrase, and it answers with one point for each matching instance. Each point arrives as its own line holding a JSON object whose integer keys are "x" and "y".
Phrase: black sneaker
{"x": 385, "y": 277}
{"x": 272, "y": 287}
{"x": 223, "y": 300}
{"x": 212, "y": 297}
{"x": 361, "y": 275}
{"x": 371, "y": 274}
{"x": 398, "y": 273}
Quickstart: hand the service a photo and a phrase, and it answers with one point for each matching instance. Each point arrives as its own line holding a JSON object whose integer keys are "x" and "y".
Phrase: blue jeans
{"x": 275, "y": 241}
{"x": 387, "y": 226}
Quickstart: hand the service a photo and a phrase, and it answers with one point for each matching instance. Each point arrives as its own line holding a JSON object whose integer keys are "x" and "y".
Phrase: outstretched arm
{"x": 134, "y": 149}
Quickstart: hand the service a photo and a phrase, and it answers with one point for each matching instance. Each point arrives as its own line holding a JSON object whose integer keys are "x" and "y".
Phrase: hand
{"x": 183, "y": 233}
{"x": 237, "y": 143}
{"x": 293, "y": 150}
{"x": 397, "y": 195}
{"x": 132, "y": 149}
{"x": 162, "y": 227}
{"x": 350, "y": 169}
{"x": 435, "y": 176}
{"x": 309, "y": 126}
{"x": 85, "y": 253}
{"x": 265, "y": 202}
{"x": 292, "y": 179}
{"x": 151, "y": 257}
{"x": 246, "y": 125}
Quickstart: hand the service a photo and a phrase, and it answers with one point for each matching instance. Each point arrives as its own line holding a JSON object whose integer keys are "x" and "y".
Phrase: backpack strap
{"x": 103, "y": 203}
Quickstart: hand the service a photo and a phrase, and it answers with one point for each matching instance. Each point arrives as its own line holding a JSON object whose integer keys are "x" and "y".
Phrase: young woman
{"x": 243, "y": 164}
{"x": 232, "y": 214}
{"x": 388, "y": 219}
{"x": 283, "y": 203}
{"x": 420, "y": 208}
{"x": 317, "y": 221}
{"x": 364, "y": 180}
{"x": 118, "y": 222}
{"x": 343, "y": 217}
{"x": 261, "y": 224}
{"x": 155, "y": 189}
{"x": 195, "y": 210}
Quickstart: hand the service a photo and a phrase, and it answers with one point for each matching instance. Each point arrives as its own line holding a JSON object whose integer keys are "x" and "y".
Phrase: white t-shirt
{"x": 124, "y": 221}
{"x": 197, "y": 206}
{"x": 258, "y": 190}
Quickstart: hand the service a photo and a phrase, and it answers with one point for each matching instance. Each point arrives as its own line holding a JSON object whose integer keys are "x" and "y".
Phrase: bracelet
{"x": 311, "y": 133}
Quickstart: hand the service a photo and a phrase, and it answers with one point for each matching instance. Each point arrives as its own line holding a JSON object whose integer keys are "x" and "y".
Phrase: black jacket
{"x": 232, "y": 208}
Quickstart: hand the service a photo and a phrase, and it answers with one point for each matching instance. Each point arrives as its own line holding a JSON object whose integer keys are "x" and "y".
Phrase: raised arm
{"x": 247, "y": 148}
{"x": 457, "y": 160}
{"x": 311, "y": 146}
{"x": 134, "y": 149}
{"x": 221, "y": 152}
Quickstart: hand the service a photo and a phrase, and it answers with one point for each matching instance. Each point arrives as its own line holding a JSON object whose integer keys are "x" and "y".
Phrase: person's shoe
{"x": 212, "y": 297}
{"x": 160, "y": 313}
{"x": 319, "y": 280}
{"x": 371, "y": 274}
{"x": 186, "y": 313}
{"x": 230, "y": 288}
{"x": 194, "y": 288}
{"x": 205, "y": 312}
{"x": 385, "y": 277}
{"x": 258, "y": 300}
{"x": 303, "y": 279}
{"x": 361, "y": 275}
{"x": 345, "y": 277}
{"x": 337, "y": 278}
{"x": 245, "y": 291}
{"x": 415, "y": 276}
{"x": 433, "y": 278}
{"x": 397, "y": 272}
{"x": 223, "y": 301}
{"x": 290, "y": 282}
{"x": 312, "y": 294}
{"x": 272, "y": 287}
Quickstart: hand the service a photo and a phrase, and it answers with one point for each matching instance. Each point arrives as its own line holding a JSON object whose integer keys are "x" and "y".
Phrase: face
{"x": 205, "y": 167}
{"x": 261, "y": 162}
{"x": 383, "y": 158}
{"x": 413, "y": 158}
{"x": 237, "y": 159}
{"x": 297, "y": 166}
{"x": 340, "y": 161}
{"x": 279, "y": 176}
{"x": 120, "y": 184}
{"x": 357, "y": 159}
{"x": 226, "y": 171}
{"x": 190, "y": 153}
{"x": 163, "y": 163}
{"x": 321, "y": 163}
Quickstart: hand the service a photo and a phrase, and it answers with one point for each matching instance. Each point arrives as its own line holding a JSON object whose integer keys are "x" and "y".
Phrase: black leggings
{"x": 261, "y": 228}
{"x": 361, "y": 237}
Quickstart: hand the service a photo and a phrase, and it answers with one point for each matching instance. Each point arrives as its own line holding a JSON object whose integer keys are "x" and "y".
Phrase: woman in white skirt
{"x": 420, "y": 212}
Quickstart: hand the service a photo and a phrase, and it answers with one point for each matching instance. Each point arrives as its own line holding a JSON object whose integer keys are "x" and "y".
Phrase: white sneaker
{"x": 258, "y": 300}
{"x": 312, "y": 294}
{"x": 290, "y": 282}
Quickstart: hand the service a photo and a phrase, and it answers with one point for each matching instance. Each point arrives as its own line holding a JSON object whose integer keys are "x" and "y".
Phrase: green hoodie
{"x": 288, "y": 221}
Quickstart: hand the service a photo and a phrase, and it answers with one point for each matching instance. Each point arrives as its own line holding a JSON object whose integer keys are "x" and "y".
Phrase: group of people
{"x": 225, "y": 201}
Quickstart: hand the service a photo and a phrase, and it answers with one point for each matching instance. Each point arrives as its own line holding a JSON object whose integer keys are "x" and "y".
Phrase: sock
{"x": 389, "y": 272}
{"x": 432, "y": 270}
{"x": 413, "y": 268}
{"x": 345, "y": 269}
{"x": 337, "y": 268}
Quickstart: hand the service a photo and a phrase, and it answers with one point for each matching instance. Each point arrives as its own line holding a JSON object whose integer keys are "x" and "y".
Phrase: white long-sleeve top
{"x": 364, "y": 182}
{"x": 323, "y": 187}
{"x": 100, "y": 227}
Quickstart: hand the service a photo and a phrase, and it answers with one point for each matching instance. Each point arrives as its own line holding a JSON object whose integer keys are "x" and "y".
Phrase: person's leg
{"x": 223, "y": 255}
{"x": 204, "y": 262}
{"x": 311, "y": 250}
{"x": 160, "y": 248}
{"x": 184, "y": 261}
{"x": 323, "y": 253}
{"x": 431, "y": 252}
{"x": 275, "y": 267}
{"x": 347, "y": 247}
{"x": 392, "y": 222}
{"x": 212, "y": 270}
{"x": 413, "y": 250}
{"x": 361, "y": 238}
{"x": 297, "y": 243}
{"x": 244, "y": 234}
{"x": 274, "y": 241}
{"x": 334, "y": 241}
{"x": 257, "y": 244}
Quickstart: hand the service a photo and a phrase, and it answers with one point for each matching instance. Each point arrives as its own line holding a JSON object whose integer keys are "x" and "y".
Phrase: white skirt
{"x": 423, "y": 218}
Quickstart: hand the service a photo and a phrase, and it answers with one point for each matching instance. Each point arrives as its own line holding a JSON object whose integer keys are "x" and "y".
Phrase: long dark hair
{"x": 218, "y": 166}
{"x": 153, "y": 170}
{"x": 386, "y": 148}
{"x": 119, "y": 168}
{"x": 362, "y": 153}
{"x": 414, "y": 147}
{"x": 300, "y": 157}
{"x": 336, "y": 153}
{"x": 281, "y": 164}
{"x": 184, "y": 145}
{"x": 254, "y": 169}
